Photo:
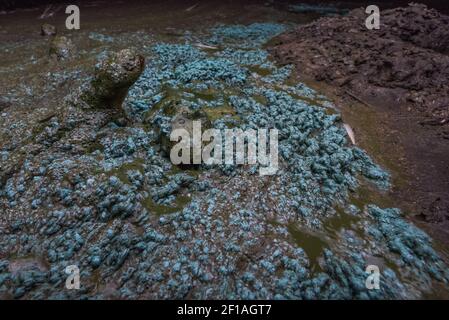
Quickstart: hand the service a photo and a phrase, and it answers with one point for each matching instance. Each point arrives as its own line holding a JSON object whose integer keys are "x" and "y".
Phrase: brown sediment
{"x": 392, "y": 88}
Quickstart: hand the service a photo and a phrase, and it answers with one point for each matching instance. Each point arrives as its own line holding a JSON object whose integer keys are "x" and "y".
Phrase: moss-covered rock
{"x": 113, "y": 76}
{"x": 48, "y": 30}
{"x": 61, "y": 48}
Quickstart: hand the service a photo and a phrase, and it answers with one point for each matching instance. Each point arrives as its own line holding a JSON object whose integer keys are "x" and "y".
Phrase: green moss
{"x": 260, "y": 71}
{"x": 38, "y": 129}
{"x": 221, "y": 112}
{"x": 93, "y": 146}
{"x": 122, "y": 172}
{"x": 207, "y": 95}
{"x": 309, "y": 101}
{"x": 167, "y": 105}
{"x": 273, "y": 42}
{"x": 180, "y": 202}
{"x": 176, "y": 170}
{"x": 260, "y": 99}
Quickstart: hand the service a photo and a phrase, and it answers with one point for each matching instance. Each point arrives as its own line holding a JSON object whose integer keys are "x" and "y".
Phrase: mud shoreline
{"x": 420, "y": 129}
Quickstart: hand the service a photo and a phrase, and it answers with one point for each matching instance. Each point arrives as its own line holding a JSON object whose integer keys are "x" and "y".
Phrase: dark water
{"x": 437, "y": 4}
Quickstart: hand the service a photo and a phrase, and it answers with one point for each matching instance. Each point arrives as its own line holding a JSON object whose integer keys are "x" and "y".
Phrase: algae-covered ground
{"x": 104, "y": 196}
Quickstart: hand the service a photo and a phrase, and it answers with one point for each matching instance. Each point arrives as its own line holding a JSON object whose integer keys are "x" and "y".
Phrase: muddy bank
{"x": 400, "y": 70}
{"x": 407, "y": 57}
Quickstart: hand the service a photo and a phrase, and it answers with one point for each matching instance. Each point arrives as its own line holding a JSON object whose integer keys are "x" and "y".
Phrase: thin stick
{"x": 357, "y": 98}
{"x": 192, "y": 7}
{"x": 44, "y": 14}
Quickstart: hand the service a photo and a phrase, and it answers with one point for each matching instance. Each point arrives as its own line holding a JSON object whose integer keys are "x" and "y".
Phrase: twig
{"x": 350, "y": 132}
{"x": 204, "y": 46}
{"x": 357, "y": 98}
{"x": 45, "y": 13}
{"x": 192, "y": 7}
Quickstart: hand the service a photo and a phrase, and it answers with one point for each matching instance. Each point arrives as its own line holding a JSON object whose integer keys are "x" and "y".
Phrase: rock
{"x": 61, "y": 48}
{"x": 48, "y": 30}
{"x": 4, "y": 103}
{"x": 183, "y": 118}
{"x": 113, "y": 77}
{"x": 171, "y": 113}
